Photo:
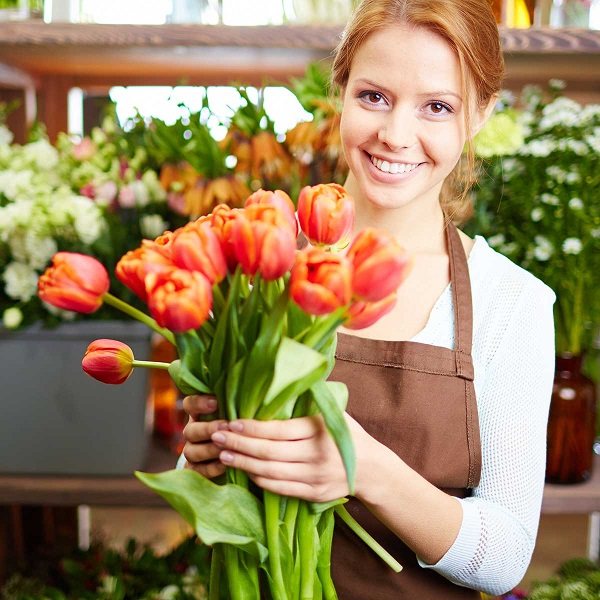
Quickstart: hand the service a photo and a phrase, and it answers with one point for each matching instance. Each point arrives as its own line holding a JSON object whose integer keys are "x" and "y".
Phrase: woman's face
{"x": 402, "y": 122}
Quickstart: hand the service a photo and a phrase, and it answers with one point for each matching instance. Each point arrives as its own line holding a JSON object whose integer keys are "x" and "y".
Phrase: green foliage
{"x": 539, "y": 204}
{"x": 135, "y": 573}
{"x": 578, "y": 579}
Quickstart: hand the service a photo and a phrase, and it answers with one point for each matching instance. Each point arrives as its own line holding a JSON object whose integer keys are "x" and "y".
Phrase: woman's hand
{"x": 295, "y": 457}
{"x": 200, "y": 452}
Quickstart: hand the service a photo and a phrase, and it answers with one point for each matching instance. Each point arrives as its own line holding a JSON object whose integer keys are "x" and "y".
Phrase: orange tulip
{"x": 108, "y": 361}
{"x": 279, "y": 199}
{"x": 320, "y": 281}
{"x": 222, "y": 219}
{"x": 380, "y": 264}
{"x": 74, "y": 282}
{"x": 326, "y": 213}
{"x": 196, "y": 247}
{"x": 132, "y": 268}
{"x": 363, "y": 314}
{"x": 178, "y": 300}
{"x": 263, "y": 241}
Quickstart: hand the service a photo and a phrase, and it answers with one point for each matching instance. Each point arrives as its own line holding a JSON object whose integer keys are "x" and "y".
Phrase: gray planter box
{"x": 56, "y": 419}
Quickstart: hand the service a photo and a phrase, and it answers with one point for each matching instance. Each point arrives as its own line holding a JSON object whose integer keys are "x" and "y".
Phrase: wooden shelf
{"x": 61, "y": 490}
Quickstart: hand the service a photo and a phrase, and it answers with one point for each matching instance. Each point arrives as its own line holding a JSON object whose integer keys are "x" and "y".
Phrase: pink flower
{"x": 84, "y": 150}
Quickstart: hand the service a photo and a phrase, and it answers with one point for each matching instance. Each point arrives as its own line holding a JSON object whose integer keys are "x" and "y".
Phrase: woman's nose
{"x": 398, "y": 130}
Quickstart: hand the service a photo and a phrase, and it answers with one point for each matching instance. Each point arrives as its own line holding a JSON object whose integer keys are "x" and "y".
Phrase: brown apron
{"x": 419, "y": 401}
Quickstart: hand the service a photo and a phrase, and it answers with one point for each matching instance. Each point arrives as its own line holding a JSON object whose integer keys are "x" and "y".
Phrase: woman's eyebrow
{"x": 368, "y": 82}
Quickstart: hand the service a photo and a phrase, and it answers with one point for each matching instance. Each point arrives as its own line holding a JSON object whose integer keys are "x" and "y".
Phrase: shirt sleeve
{"x": 500, "y": 520}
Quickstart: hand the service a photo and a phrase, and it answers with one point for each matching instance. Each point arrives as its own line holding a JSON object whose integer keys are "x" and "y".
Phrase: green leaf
{"x": 332, "y": 397}
{"x": 320, "y": 507}
{"x": 185, "y": 380}
{"x": 227, "y": 514}
{"x": 297, "y": 368}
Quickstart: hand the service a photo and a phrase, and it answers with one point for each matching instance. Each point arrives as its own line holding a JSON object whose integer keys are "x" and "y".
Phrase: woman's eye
{"x": 439, "y": 108}
{"x": 372, "y": 97}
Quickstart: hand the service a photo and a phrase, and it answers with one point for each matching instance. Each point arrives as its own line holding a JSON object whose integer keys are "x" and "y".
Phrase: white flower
{"x": 39, "y": 249}
{"x": 496, "y": 240}
{"x": 42, "y": 154}
{"x": 542, "y": 147}
{"x": 557, "y": 84}
{"x": 576, "y": 203}
{"x": 65, "y": 315}
{"x": 152, "y": 226}
{"x": 20, "y": 281}
{"x": 88, "y": 221}
{"x": 140, "y": 191}
{"x": 543, "y": 249}
{"x": 171, "y": 592}
{"x": 580, "y": 148}
{"x": 549, "y": 199}
{"x": 508, "y": 249}
{"x": 556, "y": 173}
{"x": 537, "y": 214}
{"x": 6, "y": 136}
{"x": 594, "y": 140}
{"x": 12, "y": 317}
{"x": 573, "y": 177}
{"x": 572, "y": 246}
{"x": 15, "y": 183}
{"x": 595, "y": 233}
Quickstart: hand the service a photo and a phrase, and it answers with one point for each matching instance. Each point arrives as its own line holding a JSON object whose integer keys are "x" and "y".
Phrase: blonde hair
{"x": 470, "y": 28}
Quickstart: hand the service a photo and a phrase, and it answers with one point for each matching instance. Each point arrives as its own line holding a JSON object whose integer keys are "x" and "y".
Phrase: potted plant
{"x": 537, "y": 204}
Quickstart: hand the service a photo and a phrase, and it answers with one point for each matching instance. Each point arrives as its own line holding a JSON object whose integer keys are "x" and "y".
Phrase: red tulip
{"x": 196, "y": 247}
{"x": 320, "y": 281}
{"x": 74, "y": 282}
{"x": 263, "y": 241}
{"x": 178, "y": 300}
{"x": 279, "y": 199}
{"x": 380, "y": 264}
{"x": 108, "y": 361}
{"x": 326, "y": 213}
{"x": 363, "y": 314}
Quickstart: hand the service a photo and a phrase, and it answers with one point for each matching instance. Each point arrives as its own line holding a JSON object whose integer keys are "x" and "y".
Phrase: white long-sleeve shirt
{"x": 513, "y": 356}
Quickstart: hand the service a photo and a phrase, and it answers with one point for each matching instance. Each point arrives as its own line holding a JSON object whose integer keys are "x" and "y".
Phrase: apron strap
{"x": 461, "y": 299}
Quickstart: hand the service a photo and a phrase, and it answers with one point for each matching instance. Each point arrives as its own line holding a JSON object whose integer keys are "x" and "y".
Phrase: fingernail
{"x": 211, "y": 403}
{"x": 223, "y": 426}
{"x": 226, "y": 457}
{"x": 218, "y": 438}
{"x": 236, "y": 426}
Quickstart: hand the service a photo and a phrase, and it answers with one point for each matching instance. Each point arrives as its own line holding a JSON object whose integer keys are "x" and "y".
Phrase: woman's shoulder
{"x": 494, "y": 275}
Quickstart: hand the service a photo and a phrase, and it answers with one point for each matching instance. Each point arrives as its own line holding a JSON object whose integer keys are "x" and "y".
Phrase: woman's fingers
{"x": 267, "y": 449}
{"x": 199, "y": 405}
{"x": 201, "y": 431}
{"x": 210, "y": 469}
{"x": 291, "y": 429}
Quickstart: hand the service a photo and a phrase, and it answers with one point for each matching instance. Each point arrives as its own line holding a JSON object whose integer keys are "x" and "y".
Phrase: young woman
{"x": 449, "y": 393}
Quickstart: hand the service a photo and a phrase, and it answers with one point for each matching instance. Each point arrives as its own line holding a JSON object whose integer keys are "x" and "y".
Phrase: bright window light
{"x": 136, "y": 12}
{"x": 170, "y": 103}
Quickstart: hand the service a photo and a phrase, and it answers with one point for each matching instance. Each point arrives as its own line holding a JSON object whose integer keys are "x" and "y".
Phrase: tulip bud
{"x": 326, "y": 213}
{"x": 320, "y": 281}
{"x": 108, "y": 361}
{"x": 363, "y": 314}
{"x": 263, "y": 241}
{"x": 380, "y": 264}
{"x": 280, "y": 200}
{"x": 178, "y": 300}
{"x": 74, "y": 282}
{"x": 222, "y": 218}
{"x": 196, "y": 247}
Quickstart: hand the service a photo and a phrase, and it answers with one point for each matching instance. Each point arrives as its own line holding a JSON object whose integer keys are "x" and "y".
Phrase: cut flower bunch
{"x": 254, "y": 321}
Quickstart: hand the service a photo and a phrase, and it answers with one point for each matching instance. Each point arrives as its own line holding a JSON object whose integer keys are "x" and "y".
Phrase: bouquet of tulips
{"x": 254, "y": 322}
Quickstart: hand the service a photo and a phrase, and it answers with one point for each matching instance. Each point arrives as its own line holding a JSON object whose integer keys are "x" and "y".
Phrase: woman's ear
{"x": 482, "y": 115}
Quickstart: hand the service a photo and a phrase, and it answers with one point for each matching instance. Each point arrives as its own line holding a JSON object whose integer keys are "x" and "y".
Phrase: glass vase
{"x": 571, "y": 424}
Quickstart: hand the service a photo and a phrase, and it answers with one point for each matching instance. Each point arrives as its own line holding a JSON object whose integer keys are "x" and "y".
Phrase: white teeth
{"x": 393, "y": 168}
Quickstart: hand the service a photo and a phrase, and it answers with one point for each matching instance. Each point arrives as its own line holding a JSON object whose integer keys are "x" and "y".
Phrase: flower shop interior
{"x": 120, "y": 119}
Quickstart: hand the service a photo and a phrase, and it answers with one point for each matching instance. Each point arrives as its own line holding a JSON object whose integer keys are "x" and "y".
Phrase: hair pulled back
{"x": 470, "y": 29}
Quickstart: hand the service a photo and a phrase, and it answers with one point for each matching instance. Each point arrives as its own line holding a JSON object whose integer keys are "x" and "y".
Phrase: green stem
{"x": 139, "y": 315}
{"x": 216, "y": 568}
{"x": 289, "y": 518}
{"x": 385, "y": 556}
{"x": 149, "y": 364}
{"x": 272, "y": 526}
{"x": 308, "y": 552}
